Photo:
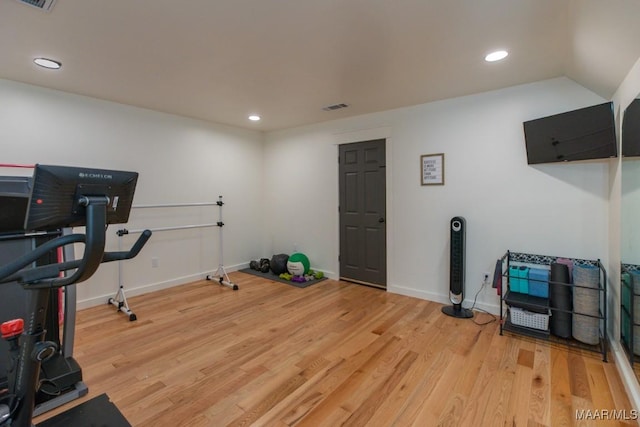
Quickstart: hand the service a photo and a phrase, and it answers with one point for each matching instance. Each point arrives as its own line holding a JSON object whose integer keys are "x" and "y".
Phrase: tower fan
{"x": 458, "y": 229}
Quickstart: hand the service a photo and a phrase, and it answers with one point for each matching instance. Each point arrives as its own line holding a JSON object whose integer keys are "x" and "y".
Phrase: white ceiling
{"x": 220, "y": 60}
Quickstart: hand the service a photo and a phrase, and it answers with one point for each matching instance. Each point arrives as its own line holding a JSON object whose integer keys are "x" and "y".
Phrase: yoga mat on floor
{"x": 270, "y": 276}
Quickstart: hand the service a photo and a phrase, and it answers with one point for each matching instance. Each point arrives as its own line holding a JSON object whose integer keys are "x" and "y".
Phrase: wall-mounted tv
{"x": 584, "y": 134}
{"x": 631, "y": 130}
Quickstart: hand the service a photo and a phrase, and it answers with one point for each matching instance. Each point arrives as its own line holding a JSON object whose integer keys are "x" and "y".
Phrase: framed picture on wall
{"x": 432, "y": 169}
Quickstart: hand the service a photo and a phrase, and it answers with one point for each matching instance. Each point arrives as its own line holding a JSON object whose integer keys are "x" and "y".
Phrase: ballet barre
{"x": 120, "y": 299}
{"x": 175, "y": 205}
{"x": 124, "y": 231}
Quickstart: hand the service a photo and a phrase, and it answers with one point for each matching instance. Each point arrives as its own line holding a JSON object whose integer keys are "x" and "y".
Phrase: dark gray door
{"x": 363, "y": 243}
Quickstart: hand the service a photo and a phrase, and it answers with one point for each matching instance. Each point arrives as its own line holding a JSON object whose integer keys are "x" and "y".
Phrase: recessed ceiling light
{"x": 496, "y": 56}
{"x": 48, "y": 63}
{"x": 254, "y": 117}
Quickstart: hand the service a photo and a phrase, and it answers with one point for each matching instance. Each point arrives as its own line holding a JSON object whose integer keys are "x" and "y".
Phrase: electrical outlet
{"x": 485, "y": 277}
{"x": 155, "y": 262}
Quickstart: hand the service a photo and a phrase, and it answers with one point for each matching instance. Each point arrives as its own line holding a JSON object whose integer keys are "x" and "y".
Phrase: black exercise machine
{"x": 60, "y": 197}
{"x": 60, "y": 375}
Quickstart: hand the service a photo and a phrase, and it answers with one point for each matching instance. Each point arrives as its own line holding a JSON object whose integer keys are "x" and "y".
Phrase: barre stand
{"x": 221, "y": 275}
{"x": 120, "y": 299}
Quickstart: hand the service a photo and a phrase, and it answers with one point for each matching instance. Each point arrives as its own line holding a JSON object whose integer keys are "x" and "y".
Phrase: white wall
{"x": 180, "y": 160}
{"x": 555, "y": 209}
{"x": 282, "y": 196}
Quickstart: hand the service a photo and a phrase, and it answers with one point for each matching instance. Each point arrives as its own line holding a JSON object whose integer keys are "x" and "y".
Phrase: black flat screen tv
{"x": 584, "y": 134}
{"x": 631, "y": 130}
{"x": 57, "y": 190}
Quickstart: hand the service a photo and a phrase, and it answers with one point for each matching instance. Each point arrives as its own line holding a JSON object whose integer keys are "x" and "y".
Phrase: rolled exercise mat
{"x": 569, "y": 264}
{"x": 560, "y": 298}
{"x": 586, "y": 301}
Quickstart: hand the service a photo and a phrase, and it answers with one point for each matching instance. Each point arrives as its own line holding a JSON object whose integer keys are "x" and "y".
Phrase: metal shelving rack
{"x": 541, "y": 305}
{"x": 627, "y": 313}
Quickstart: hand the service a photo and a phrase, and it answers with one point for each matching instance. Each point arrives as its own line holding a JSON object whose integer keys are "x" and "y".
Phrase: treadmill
{"x": 60, "y": 376}
{"x": 61, "y": 196}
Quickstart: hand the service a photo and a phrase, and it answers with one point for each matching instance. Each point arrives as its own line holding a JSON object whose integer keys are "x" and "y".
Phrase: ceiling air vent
{"x": 45, "y": 5}
{"x": 335, "y": 107}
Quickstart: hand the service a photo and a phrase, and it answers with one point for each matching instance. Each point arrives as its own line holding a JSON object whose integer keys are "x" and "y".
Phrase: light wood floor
{"x": 334, "y": 353}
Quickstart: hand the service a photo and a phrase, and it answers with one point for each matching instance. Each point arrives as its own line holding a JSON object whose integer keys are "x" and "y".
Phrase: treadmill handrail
{"x": 47, "y": 276}
{"x": 29, "y": 278}
{"x": 7, "y": 272}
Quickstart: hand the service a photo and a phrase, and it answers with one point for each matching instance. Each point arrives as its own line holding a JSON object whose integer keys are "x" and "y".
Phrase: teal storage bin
{"x": 539, "y": 282}
{"x": 514, "y": 278}
{"x": 523, "y": 274}
{"x": 519, "y": 279}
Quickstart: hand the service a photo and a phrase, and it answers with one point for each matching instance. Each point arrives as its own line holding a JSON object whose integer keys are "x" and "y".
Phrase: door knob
{"x": 381, "y": 220}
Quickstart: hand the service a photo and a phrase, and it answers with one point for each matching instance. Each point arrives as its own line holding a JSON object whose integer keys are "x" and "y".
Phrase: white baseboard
{"x": 627, "y": 375}
{"x": 329, "y": 274}
{"x": 441, "y": 298}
